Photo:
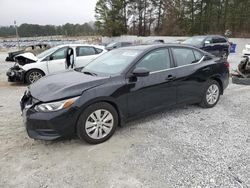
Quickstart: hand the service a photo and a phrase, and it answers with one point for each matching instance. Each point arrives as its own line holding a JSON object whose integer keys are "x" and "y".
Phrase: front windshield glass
{"x": 194, "y": 40}
{"x": 46, "y": 52}
{"x": 112, "y": 44}
{"x": 113, "y": 62}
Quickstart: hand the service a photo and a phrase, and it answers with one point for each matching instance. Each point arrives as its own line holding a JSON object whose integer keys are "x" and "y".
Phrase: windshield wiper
{"x": 89, "y": 73}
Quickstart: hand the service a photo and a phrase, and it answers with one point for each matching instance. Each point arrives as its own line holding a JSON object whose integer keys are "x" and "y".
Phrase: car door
{"x": 155, "y": 90}
{"x": 56, "y": 61}
{"x": 189, "y": 82}
{"x": 85, "y": 54}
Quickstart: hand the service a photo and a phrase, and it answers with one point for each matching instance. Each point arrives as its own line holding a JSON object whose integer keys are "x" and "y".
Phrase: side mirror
{"x": 140, "y": 72}
{"x": 51, "y": 58}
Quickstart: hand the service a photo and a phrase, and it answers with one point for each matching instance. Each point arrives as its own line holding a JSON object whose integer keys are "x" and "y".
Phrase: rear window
{"x": 196, "y": 41}
{"x": 98, "y": 50}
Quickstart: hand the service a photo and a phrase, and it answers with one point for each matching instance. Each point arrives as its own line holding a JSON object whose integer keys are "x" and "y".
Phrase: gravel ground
{"x": 184, "y": 147}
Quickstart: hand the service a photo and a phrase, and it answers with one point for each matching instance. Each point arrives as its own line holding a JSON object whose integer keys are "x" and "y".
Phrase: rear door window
{"x": 183, "y": 56}
{"x": 85, "y": 51}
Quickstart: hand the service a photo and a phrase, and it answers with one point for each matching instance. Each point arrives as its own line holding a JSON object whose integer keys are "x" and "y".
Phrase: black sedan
{"x": 214, "y": 44}
{"x": 120, "y": 85}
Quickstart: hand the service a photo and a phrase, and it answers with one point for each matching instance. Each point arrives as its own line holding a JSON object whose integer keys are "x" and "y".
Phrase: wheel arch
{"x": 217, "y": 79}
{"x": 106, "y": 100}
{"x": 32, "y": 69}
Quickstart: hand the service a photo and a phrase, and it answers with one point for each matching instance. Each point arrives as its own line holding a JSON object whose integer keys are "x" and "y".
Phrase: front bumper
{"x": 15, "y": 74}
{"x": 48, "y": 125}
{"x": 246, "y": 52}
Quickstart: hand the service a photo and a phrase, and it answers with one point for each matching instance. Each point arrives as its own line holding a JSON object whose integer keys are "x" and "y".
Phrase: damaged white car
{"x": 29, "y": 68}
{"x": 246, "y": 50}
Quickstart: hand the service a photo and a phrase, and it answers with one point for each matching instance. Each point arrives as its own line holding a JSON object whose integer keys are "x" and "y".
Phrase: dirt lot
{"x": 184, "y": 147}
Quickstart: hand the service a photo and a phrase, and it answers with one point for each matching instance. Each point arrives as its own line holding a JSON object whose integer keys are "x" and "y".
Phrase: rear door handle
{"x": 170, "y": 78}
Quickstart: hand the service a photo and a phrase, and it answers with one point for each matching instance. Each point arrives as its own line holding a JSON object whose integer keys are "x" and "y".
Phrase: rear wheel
{"x": 33, "y": 75}
{"x": 211, "y": 95}
{"x": 97, "y": 123}
{"x": 224, "y": 55}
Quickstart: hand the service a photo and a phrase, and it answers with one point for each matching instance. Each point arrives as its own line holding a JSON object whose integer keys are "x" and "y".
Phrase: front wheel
{"x": 33, "y": 75}
{"x": 211, "y": 95}
{"x": 97, "y": 123}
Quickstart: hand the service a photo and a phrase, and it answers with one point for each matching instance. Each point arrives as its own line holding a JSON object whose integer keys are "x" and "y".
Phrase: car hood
{"x": 28, "y": 55}
{"x": 64, "y": 85}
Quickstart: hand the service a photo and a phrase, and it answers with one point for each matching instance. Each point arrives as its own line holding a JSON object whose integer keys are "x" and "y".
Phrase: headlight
{"x": 55, "y": 106}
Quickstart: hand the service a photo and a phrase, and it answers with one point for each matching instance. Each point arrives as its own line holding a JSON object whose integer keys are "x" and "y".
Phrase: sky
{"x": 55, "y": 12}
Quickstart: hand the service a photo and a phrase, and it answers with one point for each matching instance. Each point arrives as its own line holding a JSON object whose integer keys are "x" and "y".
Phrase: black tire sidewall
{"x": 81, "y": 132}
{"x": 204, "y": 102}
{"x": 224, "y": 55}
{"x": 28, "y": 74}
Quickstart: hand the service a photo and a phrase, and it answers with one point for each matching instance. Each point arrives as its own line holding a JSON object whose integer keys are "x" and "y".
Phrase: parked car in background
{"x": 120, "y": 85}
{"x": 30, "y": 68}
{"x": 114, "y": 45}
{"x": 214, "y": 44}
{"x": 246, "y": 50}
{"x": 35, "y": 49}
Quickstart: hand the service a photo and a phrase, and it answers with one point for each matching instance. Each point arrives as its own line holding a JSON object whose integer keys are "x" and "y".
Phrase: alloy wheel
{"x": 99, "y": 124}
{"x": 34, "y": 76}
{"x": 212, "y": 94}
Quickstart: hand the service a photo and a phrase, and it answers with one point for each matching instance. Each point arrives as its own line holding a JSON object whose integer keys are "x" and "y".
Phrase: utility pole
{"x": 17, "y": 37}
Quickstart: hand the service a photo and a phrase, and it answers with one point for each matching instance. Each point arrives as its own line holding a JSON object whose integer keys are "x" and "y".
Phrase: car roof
{"x": 208, "y": 36}
{"x": 154, "y": 46}
{"x": 78, "y": 44}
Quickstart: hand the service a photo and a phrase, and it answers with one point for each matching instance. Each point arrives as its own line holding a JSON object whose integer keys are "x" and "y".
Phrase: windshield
{"x": 196, "y": 41}
{"x": 47, "y": 52}
{"x": 112, "y": 44}
{"x": 113, "y": 62}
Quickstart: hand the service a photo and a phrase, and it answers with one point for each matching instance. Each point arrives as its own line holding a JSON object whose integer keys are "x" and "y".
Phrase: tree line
{"x": 173, "y": 17}
{"x": 153, "y": 17}
{"x": 32, "y": 30}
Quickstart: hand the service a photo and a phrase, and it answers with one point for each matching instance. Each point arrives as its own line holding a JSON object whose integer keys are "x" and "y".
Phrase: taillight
{"x": 227, "y": 65}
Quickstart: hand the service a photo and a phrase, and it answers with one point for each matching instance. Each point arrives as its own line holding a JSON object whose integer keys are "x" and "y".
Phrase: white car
{"x": 246, "y": 50}
{"x": 29, "y": 68}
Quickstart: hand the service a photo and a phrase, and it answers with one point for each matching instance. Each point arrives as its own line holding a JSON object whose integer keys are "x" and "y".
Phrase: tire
{"x": 36, "y": 73}
{"x": 211, "y": 95}
{"x": 239, "y": 80}
{"x": 92, "y": 129}
{"x": 224, "y": 55}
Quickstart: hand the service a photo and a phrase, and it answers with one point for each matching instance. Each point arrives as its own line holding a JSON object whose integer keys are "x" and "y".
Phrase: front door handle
{"x": 170, "y": 78}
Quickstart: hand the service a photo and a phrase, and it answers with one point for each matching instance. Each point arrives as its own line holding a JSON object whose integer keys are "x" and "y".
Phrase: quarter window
{"x": 184, "y": 56}
{"x": 85, "y": 51}
{"x": 198, "y": 55}
{"x": 156, "y": 60}
{"x": 98, "y": 50}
